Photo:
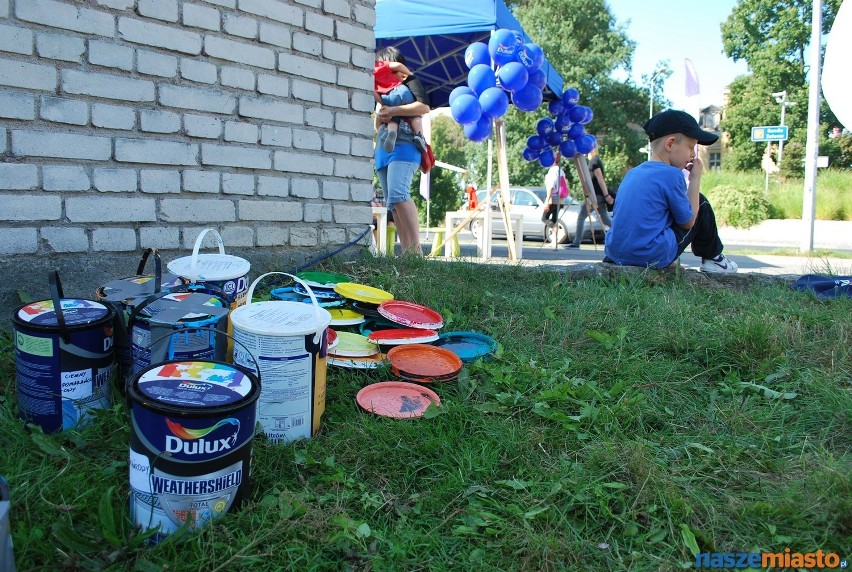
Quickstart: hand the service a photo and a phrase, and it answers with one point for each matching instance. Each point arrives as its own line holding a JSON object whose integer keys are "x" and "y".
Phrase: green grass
{"x": 620, "y": 419}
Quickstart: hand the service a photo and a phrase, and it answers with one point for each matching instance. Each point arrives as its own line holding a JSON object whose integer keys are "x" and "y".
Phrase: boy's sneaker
{"x": 721, "y": 265}
{"x": 390, "y": 141}
{"x": 420, "y": 142}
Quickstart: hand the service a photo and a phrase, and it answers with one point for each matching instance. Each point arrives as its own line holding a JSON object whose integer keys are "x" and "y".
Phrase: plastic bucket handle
{"x": 314, "y": 301}
{"x": 193, "y": 263}
{"x": 158, "y": 267}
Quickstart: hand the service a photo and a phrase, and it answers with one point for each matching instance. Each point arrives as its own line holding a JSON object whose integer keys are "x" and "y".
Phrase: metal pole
{"x": 783, "y": 109}
{"x": 812, "y": 144}
{"x": 651, "y": 110}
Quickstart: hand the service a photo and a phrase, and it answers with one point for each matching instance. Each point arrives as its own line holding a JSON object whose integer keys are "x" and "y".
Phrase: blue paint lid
{"x": 469, "y": 346}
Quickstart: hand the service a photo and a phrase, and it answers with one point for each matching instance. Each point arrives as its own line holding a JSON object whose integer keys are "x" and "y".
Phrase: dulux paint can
{"x": 64, "y": 360}
{"x": 288, "y": 343}
{"x": 192, "y": 425}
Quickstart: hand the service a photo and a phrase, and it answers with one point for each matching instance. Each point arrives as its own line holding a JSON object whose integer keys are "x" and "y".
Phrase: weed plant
{"x": 623, "y": 425}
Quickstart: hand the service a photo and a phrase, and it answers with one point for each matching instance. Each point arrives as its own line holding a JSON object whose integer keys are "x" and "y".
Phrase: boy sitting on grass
{"x": 658, "y": 214}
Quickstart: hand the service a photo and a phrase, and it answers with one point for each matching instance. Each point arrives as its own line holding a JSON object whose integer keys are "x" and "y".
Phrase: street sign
{"x": 769, "y": 133}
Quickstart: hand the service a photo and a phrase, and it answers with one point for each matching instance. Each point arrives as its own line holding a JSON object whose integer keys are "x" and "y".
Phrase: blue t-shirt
{"x": 651, "y": 198}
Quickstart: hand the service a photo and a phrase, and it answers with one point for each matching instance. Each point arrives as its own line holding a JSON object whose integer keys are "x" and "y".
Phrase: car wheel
{"x": 561, "y": 233}
{"x": 476, "y": 229}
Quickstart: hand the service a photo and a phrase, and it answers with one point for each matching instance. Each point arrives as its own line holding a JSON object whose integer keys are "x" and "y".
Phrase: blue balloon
{"x": 531, "y": 56}
{"x": 530, "y": 154}
{"x": 555, "y": 107}
{"x": 563, "y": 123}
{"x": 480, "y": 78}
{"x": 503, "y": 45}
{"x": 536, "y": 142}
{"x": 545, "y": 126}
{"x": 513, "y": 76}
{"x": 475, "y": 54}
{"x": 479, "y": 130}
{"x": 465, "y": 109}
{"x": 538, "y": 79}
{"x": 547, "y": 158}
{"x": 554, "y": 138}
{"x": 460, "y": 90}
{"x": 577, "y": 113}
{"x": 586, "y": 143}
{"x": 589, "y": 116}
{"x": 568, "y": 149}
{"x": 576, "y": 131}
{"x": 494, "y": 102}
{"x": 570, "y": 97}
{"x": 527, "y": 98}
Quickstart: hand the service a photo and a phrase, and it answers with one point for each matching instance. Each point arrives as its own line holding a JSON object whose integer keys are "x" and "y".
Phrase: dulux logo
{"x": 192, "y": 441}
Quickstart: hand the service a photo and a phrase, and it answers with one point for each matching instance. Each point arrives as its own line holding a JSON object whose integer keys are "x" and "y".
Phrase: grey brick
{"x": 318, "y": 212}
{"x": 362, "y": 147}
{"x": 107, "y": 86}
{"x": 152, "y": 63}
{"x": 274, "y": 135}
{"x": 284, "y": 211}
{"x": 197, "y": 210}
{"x": 307, "y": 91}
{"x": 17, "y": 105}
{"x": 310, "y": 3}
{"x": 272, "y": 236}
{"x": 319, "y": 24}
{"x": 28, "y": 76}
{"x": 352, "y": 214}
{"x": 201, "y": 181}
{"x": 65, "y": 16}
{"x": 309, "y": 68}
{"x": 156, "y": 152}
{"x": 239, "y": 131}
{"x": 355, "y": 78}
{"x": 239, "y": 52}
{"x": 166, "y": 10}
{"x": 332, "y": 235}
{"x": 335, "y": 191}
{"x": 240, "y": 26}
{"x": 233, "y": 156}
{"x": 157, "y": 35}
{"x": 115, "y": 180}
{"x": 18, "y": 240}
{"x": 271, "y": 186}
{"x": 303, "y": 139}
{"x": 303, "y": 163}
{"x": 234, "y": 184}
{"x": 159, "y": 121}
{"x": 239, "y": 236}
{"x": 353, "y": 168}
{"x": 335, "y": 97}
{"x": 27, "y": 207}
{"x": 318, "y": 117}
{"x": 65, "y": 239}
{"x": 362, "y": 58}
{"x": 362, "y": 102}
{"x": 15, "y": 176}
{"x": 273, "y": 85}
{"x": 237, "y": 77}
{"x": 116, "y": 4}
{"x": 333, "y": 143}
{"x": 110, "y": 55}
{"x": 201, "y": 126}
{"x": 358, "y": 35}
{"x": 16, "y": 40}
{"x": 60, "y": 47}
{"x": 113, "y": 116}
{"x": 159, "y": 237}
{"x": 338, "y": 7}
{"x": 307, "y": 44}
{"x": 64, "y": 145}
{"x": 362, "y": 192}
{"x": 108, "y": 209}
{"x": 4, "y": 8}
{"x": 349, "y": 123}
{"x": 201, "y": 17}
{"x": 159, "y": 181}
{"x": 4, "y": 144}
{"x": 305, "y": 188}
{"x": 197, "y": 99}
{"x": 271, "y": 108}
{"x": 275, "y": 35}
{"x": 63, "y": 110}
{"x": 65, "y": 178}
{"x": 365, "y": 14}
{"x": 274, "y": 10}
{"x": 224, "y": 3}
{"x": 113, "y": 239}
{"x": 336, "y": 52}
{"x": 303, "y": 236}
{"x": 201, "y": 72}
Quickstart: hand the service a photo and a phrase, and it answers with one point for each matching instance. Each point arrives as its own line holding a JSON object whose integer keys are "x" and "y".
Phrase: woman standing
{"x": 396, "y": 168}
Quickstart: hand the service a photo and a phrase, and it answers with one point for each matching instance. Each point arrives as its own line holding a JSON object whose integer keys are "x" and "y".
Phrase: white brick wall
{"x": 127, "y": 124}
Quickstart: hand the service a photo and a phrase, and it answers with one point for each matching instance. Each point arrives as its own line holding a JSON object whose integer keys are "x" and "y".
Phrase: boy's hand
{"x": 695, "y": 167}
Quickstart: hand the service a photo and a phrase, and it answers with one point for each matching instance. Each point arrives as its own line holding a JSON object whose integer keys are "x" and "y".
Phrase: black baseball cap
{"x": 674, "y": 121}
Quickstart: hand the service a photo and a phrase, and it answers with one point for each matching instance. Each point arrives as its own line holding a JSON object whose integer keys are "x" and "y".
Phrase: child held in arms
{"x": 390, "y": 88}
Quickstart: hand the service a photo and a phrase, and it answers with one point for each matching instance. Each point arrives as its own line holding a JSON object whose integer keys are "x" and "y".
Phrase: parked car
{"x": 529, "y": 201}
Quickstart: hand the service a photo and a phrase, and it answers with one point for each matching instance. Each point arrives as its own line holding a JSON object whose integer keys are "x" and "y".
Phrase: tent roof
{"x": 434, "y": 34}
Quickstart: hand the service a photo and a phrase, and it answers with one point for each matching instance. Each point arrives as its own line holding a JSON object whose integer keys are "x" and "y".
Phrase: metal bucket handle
{"x": 158, "y": 267}
{"x": 193, "y": 263}
{"x": 56, "y": 296}
{"x": 314, "y": 301}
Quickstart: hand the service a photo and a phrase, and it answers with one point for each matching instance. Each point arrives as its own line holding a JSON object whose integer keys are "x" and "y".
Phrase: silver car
{"x": 529, "y": 201}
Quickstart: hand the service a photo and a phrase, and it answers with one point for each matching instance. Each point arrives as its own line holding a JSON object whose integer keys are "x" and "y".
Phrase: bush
{"x": 738, "y": 207}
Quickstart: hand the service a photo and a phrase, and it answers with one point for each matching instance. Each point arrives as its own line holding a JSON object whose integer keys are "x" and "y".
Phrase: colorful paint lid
{"x": 354, "y": 345}
{"x": 183, "y": 307}
{"x": 396, "y": 399}
{"x": 211, "y": 267}
{"x": 362, "y": 293}
{"x": 421, "y": 360}
{"x": 411, "y": 314}
{"x": 400, "y": 336}
{"x": 277, "y": 318}
{"x": 320, "y": 293}
{"x": 344, "y": 317}
{"x": 134, "y": 286}
{"x": 404, "y": 376}
{"x": 76, "y": 312}
{"x": 367, "y": 362}
{"x": 469, "y": 346}
{"x": 194, "y": 385}
{"x": 322, "y": 279}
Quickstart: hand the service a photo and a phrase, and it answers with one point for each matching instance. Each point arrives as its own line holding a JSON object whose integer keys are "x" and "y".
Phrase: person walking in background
{"x": 396, "y": 168}
{"x": 553, "y": 180}
{"x": 658, "y": 214}
{"x": 596, "y": 170}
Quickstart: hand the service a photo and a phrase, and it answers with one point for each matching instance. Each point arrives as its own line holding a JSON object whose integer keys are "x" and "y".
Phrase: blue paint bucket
{"x": 192, "y": 425}
{"x": 64, "y": 360}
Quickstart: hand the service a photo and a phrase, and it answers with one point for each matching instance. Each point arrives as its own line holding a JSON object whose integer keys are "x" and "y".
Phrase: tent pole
{"x": 503, "y": 174}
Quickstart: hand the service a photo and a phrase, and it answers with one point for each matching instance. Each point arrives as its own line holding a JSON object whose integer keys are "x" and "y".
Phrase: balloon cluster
{"x": 485, "y": 96}
{"x": 564, "y": 132}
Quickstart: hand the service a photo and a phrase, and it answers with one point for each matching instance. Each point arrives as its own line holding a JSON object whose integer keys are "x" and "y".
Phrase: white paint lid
{"x": 211, "y": 267}
{"x": 280, "y": 318}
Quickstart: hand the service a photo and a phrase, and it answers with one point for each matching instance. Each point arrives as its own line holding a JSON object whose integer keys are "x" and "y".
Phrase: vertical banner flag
{"x": 691, "y": 78}
{"x": 426, "y": 180}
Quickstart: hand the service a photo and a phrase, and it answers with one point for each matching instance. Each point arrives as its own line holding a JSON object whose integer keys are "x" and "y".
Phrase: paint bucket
{"x": 287, "y": 341}
{"x": 64, "y": 359}
{"x": 192, "y": 425}
{"x": 122, "y": 293}
{"x": 177, "y": 326}
{"x": 230, "y": 273}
